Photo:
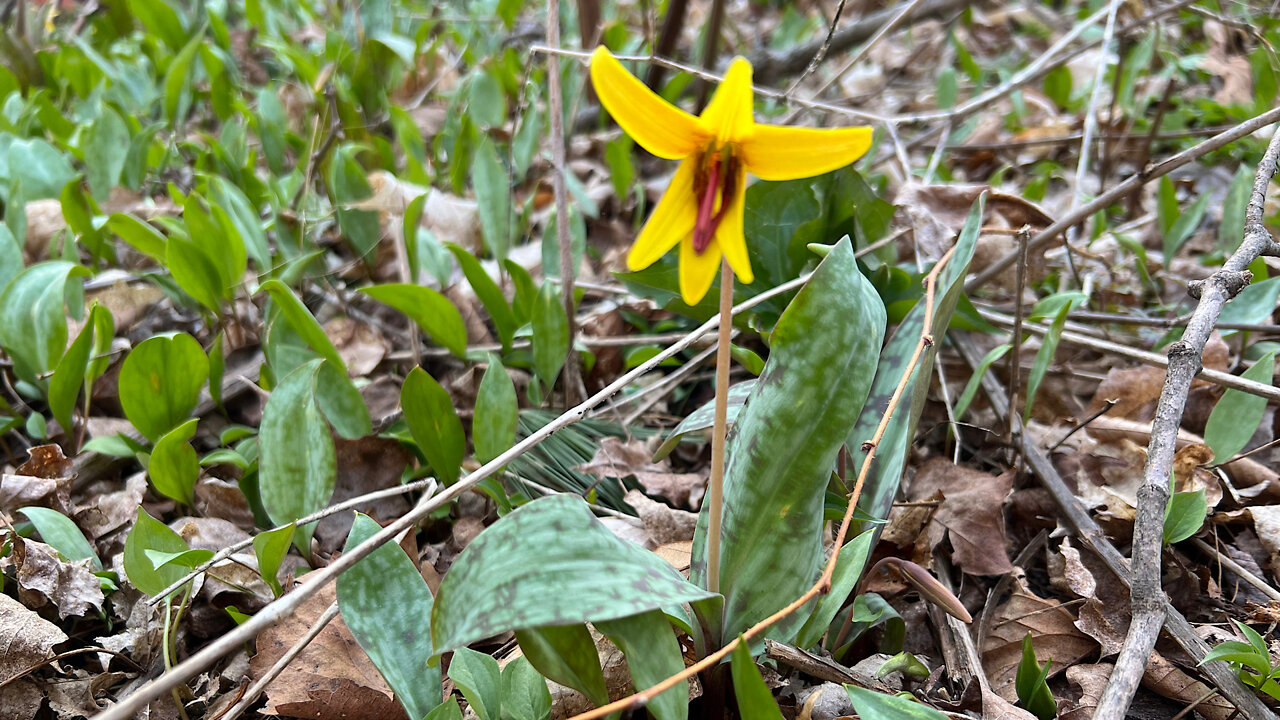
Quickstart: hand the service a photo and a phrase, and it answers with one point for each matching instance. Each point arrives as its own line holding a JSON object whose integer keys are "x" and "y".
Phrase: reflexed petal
{"x": 660, "y": 127}
{"x": 671, "y": 222}
{"x": 729, "y": 114}
{"x": 697, "y": 270}
{"x": 729, "y": 235}
{"x": 787, "y": 153}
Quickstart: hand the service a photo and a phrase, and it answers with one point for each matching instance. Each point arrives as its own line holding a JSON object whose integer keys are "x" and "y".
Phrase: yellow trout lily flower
{"x": 702, "y": 208}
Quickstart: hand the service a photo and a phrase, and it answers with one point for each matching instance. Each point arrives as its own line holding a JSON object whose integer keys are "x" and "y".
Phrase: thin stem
{"x": 715, "y": 490}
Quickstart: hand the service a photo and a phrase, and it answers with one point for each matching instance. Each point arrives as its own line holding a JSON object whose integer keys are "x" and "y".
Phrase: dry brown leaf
{"x": 678, "y": 555}
{"x": 995, "y": 707}
{"x": 618, "y": 458}
{"x": 79, "y": 698}
{"x": 451, "y": 219}
{"x": 360, "y": 345}
{"x": 1090, "y": 680}
{"x": 127, "y": 301}
{"x": 1166, "y": 679}
{"x": 1052, "y": 629}
{"x": 1105, "y": 614}
{"x": 46, "y": 577}
{"x": 971, "y": 514}
{"x": 108, "y": 506}
{"x": 663, "y": 523}
{"x": 1138, "y": 388}
{"x": 331, "y": 679}
{"x": 25, "y": 640}
{"x": 1266, "y": 523}
{"x": 364, "y": 465}
{"x": 44, "y": 479}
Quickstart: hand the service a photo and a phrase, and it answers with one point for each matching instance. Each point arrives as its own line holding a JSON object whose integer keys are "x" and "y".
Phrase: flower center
{"x": 716, "y": 180}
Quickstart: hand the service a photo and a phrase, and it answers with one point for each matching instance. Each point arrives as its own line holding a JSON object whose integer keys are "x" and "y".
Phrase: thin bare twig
{"x": 555, "y": 102}
{"x": 1147, "y": 596}
{"x": 251, "y": 695}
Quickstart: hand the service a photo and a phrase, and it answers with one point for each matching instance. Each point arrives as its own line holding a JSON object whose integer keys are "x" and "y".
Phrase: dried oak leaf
{"x": 1105, "y": 614}
{"x": 971, "y": 513}
{"x": 1089, "y": 681}
{"x": 618, "y": 458}
{"x": 664, "y": 523}
{"x": 44, "y": 480}
{"x": 1166, "y": 679}
{"x": 1137, "y": 389}
{"x": 331, "y": 679}
{"x": 1052, "y": 629}
{"x": 107, "y": 506}
{"x": 25, "y": 640}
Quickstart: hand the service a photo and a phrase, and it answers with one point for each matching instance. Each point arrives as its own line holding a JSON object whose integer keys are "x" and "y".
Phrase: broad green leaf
{"x": 1184, "y": 515}
{"x": 872, "y": 705}
{"x": 302, "y": 321}
{"x": 704, "y": 417}
{"x": 161, "y": 20}
{"x": 341, "y": 402}
{"x": 11, "y": 262}
{"x": 144, "y": 238}
{"x": 105, "y": 144}
{"x": 62, "y": 534}
{"x": 653, "y": 655}
{"x": 434, "y": 424}
{"x": 1231, "y": 229}
{"x": 526, "y": 292}
{"x": 785, "y": 443}
{"x": 39, "y": 167}
{"x": 504, "y": 321}
{"x": 550, "y": 334}
{"x": 478, "y": 677}
{"x": 216, "y": 237}
{"x": 350, "y": 186}
{"x": 493, "y": 429}
{"x": 975, "y": 380}
{"x": 869, "y": 611}
{"x": 68, "y": 377}
{"x": 176, "y": 76}
{"x": 1255, "y": 640}
{"x": 104, "y": 331}
{"x": 33, "y": 320}
{"x": 1029, "y": 684}
{"x": 160, "y": 383}
{"x": 385, "y": 602}
{"x": 524, "y": 692}
{"x": 755, "y": 700}
{"x": 1186, "y": 224}
{"x": 151, "y": 534}
{"x": 853, "y": 557}
{"x": 270, "y": 547}
{"x": 448, "y": 711}
{"x": 1238, "y": 414}
{"x": 549, "y": 562}
{"x": 187, "y": 558}
{"x": 891, "y": 455}
{"x": 242, "y": 215}
{"x": 432, "y": 311}
{"x": 1057, "y": 85}
{"x": 298, "y": 466}
{"x": 1044, "y": 356}
{"x": 493, "y": 195}
{"x": 409, "y": 229}
{"x": 1254, "y": 304}
{"x": 486, "y": 102}
{"x": 566, "y": 654}
{"x": 174, "y": 467}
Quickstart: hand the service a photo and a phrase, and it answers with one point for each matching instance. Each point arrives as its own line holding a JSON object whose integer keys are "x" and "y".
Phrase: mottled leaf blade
{"x": 298, "y": 466}
{"x": 386, "y": 604}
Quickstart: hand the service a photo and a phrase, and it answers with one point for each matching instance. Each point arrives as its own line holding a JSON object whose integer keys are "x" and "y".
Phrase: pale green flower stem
{"x": 715, "y": 486}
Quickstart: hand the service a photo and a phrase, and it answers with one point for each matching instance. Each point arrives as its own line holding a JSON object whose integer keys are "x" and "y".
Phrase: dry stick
{"x": 823, "y": 585}
{"x": 426, "y": 483}
{"x": 1092, "y": 536}
{"x": 1129, "y": 185}
{"x": 1015, "y": 360}
{"x": 822, "y": 51}
{"x": 572, "y": 370}
{"x": 1147, "y": 596}
{"x": 1238, "y": 569}
{"x": 1216, "y": 377}
{"x": 251, "y": 695}
{"x": 715, "y": 488}
{"x": 1075, "y": 137}
{"x": 1119, "y": 319}
{"x": 286, "y": 605}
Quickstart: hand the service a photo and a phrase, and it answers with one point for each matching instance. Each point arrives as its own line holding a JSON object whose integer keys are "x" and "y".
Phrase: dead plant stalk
{"x": 823, "y": 585}
{"x": 1185, "y": 361}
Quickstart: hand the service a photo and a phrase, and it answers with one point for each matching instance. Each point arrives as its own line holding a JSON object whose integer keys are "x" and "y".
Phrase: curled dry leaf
{"x": 618, "y": 458}
{"x": 1166, "y": 679}
{"x": 45, "y": 577}
{"x": 971, "y": 513}
{"x": 25, "y": 640}
{"x": 44, "y": 479}
{"x": 331, "y": 679}
{"x": 1088, "y": 681}
{"x": 1052, "y": 629}
{"x": 1105, "y": 614}
{"x": 109, "y": 505}
{"x": 664, "y": 524}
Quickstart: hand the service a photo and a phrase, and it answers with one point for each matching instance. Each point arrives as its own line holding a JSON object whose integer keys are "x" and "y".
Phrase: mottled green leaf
{"x": 68, "y": 377}
{"x": 386, "y": 604}
{"x": 298, "y": 466}
{"x": 302, "y": 321}
{"x": 33, "y": 321}
{"x": 550, "y": 334}
{"x": 493, "y": 195}
{"x": 785, "y": 443}
{"x": 550, "y": 563}
{"x": 160, "y": 383}
{"x": 853, "y": 557}
{"x": 341, "y": 402}
{"x": 704, "y": 417}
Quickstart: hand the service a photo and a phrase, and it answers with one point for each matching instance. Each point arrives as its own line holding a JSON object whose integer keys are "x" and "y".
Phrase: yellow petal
{"x": 671, "y": 222}
{"x": 729, "y": 114}
{"x": 660, "y": 127}
{"x": 787, "y": 153}
{"x": 729, "y": 235}
{"x": 697, "y": 270}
